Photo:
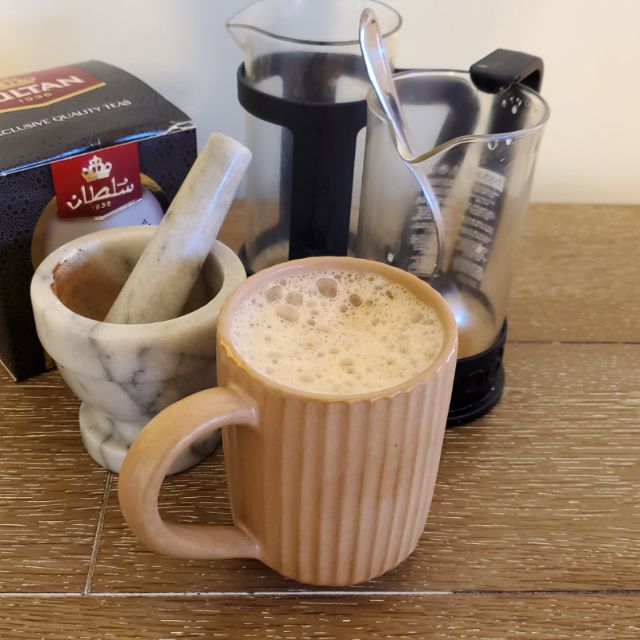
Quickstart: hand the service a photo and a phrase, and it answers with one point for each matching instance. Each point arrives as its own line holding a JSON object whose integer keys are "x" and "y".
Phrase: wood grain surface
{"x": 472, "y": 617}
{"x": 50, "y": 491}
{"x": 533, "y": 532}
{"x": 577, "y": 276}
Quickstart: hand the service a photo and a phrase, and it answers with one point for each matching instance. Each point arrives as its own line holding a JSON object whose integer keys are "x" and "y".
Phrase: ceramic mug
{"x": 324, "y": 489}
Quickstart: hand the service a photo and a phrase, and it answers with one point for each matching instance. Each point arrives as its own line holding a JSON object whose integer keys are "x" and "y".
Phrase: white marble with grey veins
{"x": 125, "y": 374}
{"x": 164, "y": 274}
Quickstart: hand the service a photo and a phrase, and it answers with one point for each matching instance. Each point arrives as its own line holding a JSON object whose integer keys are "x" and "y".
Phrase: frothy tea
{"x": 337, "y": 331}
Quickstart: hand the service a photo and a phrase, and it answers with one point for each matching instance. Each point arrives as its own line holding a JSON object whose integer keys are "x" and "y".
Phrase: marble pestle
{"x": 162, "y": 278}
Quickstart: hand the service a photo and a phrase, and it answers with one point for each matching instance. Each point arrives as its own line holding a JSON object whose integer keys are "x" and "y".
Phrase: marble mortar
{"x": 126, "y": 373}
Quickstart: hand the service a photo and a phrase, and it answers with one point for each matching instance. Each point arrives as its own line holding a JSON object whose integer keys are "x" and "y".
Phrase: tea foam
{"x": 337, "y": 332}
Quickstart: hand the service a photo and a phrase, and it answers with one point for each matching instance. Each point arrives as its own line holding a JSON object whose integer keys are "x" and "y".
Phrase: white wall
{"x": 591, "y": 50}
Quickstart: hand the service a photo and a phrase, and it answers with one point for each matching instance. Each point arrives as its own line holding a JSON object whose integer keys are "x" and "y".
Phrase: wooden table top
{"x": 534, "y": 531}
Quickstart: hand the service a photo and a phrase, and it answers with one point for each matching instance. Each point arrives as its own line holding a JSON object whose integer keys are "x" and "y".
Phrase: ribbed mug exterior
{"x": 335, "y": 493}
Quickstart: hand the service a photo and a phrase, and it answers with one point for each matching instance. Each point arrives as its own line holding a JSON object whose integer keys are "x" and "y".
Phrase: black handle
{"x": 503, "y": 68}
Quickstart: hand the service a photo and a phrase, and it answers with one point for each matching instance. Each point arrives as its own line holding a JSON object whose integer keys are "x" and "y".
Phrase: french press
{"x": 303, "y": 85}
{"x": 453, "y": 214}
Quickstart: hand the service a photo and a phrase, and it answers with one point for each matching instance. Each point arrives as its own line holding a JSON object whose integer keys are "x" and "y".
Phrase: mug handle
{"x": 149, "y": 459}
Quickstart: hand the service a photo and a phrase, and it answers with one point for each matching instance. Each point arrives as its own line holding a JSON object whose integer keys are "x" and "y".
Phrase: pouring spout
{"x": 262, "y": 18}
{"x": 255, "y": 19}
{"x": 239, "y": 33}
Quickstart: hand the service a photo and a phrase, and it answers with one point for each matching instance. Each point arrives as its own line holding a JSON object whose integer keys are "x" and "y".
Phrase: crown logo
{"x": 96, "y": 169}
{"x": 13, "y": 83}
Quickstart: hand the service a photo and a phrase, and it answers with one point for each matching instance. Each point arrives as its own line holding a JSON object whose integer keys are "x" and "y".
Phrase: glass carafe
{"x": 477, "y": 150}
{"x": 303, "y": 85}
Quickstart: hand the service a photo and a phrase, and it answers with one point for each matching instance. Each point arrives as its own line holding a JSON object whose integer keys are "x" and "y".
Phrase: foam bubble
{"x": 273, "y": 293}
{"x": 295, "y": 298}
{"x": 337, "y": 331}
{"x": 328, "y": 287}
{"x": 288, "y": 312}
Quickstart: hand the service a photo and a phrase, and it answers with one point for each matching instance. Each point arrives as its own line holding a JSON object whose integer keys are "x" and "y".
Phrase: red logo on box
{"x": 40, "y": 88}
{"x": 97, "y": 183}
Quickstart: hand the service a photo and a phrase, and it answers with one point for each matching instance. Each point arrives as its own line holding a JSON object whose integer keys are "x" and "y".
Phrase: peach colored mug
{"x": 325, "y": 489}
